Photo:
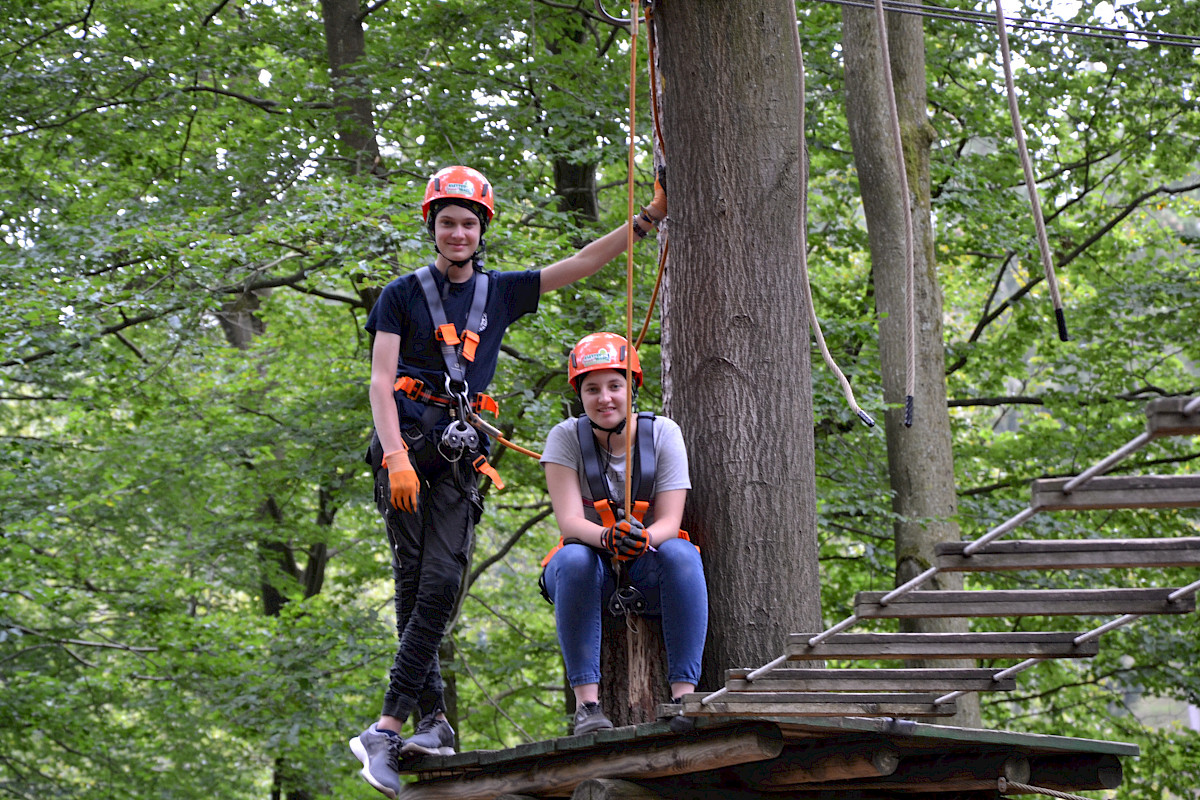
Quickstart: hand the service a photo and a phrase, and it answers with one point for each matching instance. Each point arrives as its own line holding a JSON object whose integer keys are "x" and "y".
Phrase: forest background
{"x": 198, "y": 206}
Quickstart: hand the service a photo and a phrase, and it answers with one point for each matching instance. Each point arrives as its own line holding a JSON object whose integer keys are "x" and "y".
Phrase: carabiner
{"x": 609, "y": 18}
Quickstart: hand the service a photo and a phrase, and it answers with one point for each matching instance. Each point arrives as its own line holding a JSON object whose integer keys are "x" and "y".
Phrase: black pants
{"x": 430, "y": 552}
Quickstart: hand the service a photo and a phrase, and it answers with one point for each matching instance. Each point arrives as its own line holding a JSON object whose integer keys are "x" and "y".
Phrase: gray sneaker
{"x": 379, "y": 753}
{"x": 590, "y": 717}
{"x": 433, "y": 737}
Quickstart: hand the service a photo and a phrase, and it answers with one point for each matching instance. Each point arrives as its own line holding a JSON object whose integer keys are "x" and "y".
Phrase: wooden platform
{"x": 759, "y": 757}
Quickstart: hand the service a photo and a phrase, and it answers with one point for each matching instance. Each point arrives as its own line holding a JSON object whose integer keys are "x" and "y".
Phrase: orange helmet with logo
{"x": 602, "y": 351}
{"x": 462, "y": 184}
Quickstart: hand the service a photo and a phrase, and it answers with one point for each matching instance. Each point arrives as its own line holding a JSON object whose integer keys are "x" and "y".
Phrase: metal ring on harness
{"x": 458, "y": 437}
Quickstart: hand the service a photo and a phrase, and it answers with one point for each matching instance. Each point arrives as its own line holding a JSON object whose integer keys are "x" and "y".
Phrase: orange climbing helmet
{"x": 601, "y": 351}
{"x": 461, "y": 184}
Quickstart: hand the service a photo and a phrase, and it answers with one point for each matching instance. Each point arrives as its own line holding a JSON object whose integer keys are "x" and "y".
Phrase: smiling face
{"x": 602, "y": 393}
{"x": 456, "y": 231}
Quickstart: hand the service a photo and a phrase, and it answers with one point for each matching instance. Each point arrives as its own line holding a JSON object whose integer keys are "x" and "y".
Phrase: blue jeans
{"x": 580, "y": 582}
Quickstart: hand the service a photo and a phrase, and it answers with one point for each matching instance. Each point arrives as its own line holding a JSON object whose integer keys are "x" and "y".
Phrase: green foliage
{"x": 194, "y": 588}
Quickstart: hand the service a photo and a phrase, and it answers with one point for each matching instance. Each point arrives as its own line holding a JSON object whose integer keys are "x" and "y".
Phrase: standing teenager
{"x": 606, "y": 561}
{"x": 436, "y": 340}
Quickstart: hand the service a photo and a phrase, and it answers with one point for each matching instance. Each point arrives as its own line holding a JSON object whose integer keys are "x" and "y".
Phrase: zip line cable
{"x": 1028, "y": 23}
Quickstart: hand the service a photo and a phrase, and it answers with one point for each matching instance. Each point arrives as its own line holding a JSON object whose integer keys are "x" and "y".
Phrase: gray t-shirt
{"x": 670, "y": 455}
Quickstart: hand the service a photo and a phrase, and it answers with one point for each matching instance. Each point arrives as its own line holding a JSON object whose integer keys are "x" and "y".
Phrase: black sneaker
{"x": 590, "y": 717}
{"x": 379, "y": 753}
{"x": 434, "y": 737}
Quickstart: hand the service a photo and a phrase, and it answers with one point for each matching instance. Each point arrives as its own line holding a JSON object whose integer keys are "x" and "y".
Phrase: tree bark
{"x": 920, "y": 457}
{"x": 736, "y": 371}
{"x": 345, "y": 45}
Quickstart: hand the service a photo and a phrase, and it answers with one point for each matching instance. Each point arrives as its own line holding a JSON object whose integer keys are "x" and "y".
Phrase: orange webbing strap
{"x": 447, "y": 333}
{"x": 633, "y": 34}
{"x": 483, "y": 467}
{"x": 470, "y": 341}
{"x": 604, "y": 509}
{"x": 414, "y": 389}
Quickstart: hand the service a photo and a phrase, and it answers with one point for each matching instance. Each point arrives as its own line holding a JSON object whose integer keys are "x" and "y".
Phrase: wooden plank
{"x": 1165, "y": 417}
{"x": 864, "y": 680}
{"x": 903, "y": 646}
{"x": 949, "y": 772}
{"x": 559, "y": 773}
{"x": 841, "y": 761}
{"x": 1076, "y": 771}
{"x": 1022, "y": 603}
{"x": 818, "y": 704}
{"x": 613, "y": 789}
{"x": 1071, "y": 554}
{"x": 1124, "y": 491}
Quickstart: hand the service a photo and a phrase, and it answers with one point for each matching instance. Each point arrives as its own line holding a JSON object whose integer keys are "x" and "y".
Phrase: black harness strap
{"x": 451, "y": 354}
{"x": 641, "y": 482}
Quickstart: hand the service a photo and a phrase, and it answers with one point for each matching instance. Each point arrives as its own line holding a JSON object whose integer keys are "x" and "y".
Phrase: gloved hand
{"x": 403, "y": 478}
{"x": 658, "y": 206}
{"x": 626, "y": 540}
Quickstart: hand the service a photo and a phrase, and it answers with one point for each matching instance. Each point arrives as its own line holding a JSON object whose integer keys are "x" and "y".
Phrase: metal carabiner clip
{"x": 609, "y": 18}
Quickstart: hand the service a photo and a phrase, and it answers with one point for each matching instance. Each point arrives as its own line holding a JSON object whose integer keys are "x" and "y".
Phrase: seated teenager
{"x": 605, "y": 561}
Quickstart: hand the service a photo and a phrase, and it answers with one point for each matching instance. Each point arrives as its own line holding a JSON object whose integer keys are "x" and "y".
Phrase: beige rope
{"x": 910, "y": 269}
{"x": 847, "y": 391}
{"x": 1039, "y": 221}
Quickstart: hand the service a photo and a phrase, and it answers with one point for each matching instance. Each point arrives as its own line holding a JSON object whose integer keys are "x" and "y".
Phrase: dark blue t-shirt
{"x": 401, "y": 309}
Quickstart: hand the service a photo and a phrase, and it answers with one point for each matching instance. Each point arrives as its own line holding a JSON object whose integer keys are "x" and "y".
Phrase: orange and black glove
{"x": 657, "y": 210}
{"x": 403, "y": 478}
{"x": 626, "y": 540}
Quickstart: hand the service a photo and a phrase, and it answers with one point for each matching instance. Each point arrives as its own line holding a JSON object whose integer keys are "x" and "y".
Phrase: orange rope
{"x": 662, "y": 260}
{"x": 633, "y": 35}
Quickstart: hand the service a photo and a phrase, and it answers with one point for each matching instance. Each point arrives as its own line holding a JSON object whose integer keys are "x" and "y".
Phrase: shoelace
{"x": 394, "y": 743}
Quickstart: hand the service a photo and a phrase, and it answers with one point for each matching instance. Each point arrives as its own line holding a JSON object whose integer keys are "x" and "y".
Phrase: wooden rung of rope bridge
{"x": 771, "y": 687}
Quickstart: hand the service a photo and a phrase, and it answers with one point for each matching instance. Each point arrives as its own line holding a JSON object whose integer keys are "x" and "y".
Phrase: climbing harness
{"x": 639, "y": 479}
{"x": 459, "y": 439}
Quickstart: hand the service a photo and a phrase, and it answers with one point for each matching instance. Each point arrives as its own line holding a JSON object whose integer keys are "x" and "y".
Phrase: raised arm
{"x": 594, "y": 255}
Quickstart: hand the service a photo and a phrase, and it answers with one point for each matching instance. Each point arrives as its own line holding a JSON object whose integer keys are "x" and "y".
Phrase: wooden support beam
{"x": 1165, "y": 417}
{"x": 557, "y": 773}
{"x": 1022, "y": 603}
{"x": 818, "y": 704}
{"x": 842, "y": 761}
{"x": 1072, "y": 554}
{"x": 613, "y": 789}
{"x": 951, "y": 772}
{"x": 869, "y": 680}
{"x": 1076, "y": 772}
{"x": 904, "y": 646}
{"x": 1125, "y": 491}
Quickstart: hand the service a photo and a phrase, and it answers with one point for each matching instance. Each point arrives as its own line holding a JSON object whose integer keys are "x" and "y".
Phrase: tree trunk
{"x": 633, "y": 669}
{"x": 345, "y": 45}
{"x": 735, "y": 323}
{"x": 920, "y": 458}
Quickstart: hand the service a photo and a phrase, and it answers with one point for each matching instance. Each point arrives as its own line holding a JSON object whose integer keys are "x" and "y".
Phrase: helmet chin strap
{"x": 620, "y": 426}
